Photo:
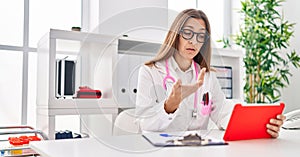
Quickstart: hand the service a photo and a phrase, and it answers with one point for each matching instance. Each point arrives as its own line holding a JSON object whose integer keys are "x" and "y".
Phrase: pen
{"x": 168, "y": 135}
{"x": 207, "y": 98}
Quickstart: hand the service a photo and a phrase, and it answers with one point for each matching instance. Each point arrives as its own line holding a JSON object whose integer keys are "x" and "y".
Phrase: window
{"x": 11, "y": 87}
{"x": 43, "y": 15}
{"x": 219, "y": 15}
{"x": 57, "y": 14}
{"x": 11, "y": 28}
{"x": 179, "y": 5}
{"x": 215, "y": 14}
{"x": 176, "y": 6}
{"x": 32, "y": 81}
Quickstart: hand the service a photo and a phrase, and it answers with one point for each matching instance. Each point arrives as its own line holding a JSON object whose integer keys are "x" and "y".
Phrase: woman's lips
{"x": 190, "y": 49}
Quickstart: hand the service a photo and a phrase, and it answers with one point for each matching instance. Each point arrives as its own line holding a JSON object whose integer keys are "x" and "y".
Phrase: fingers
{"x": 281, "y": 117}
{"x": 274, "y": 125}
{"x": 174, "y": 99}
{"x": 177, "y": 84}
{"x": 273, "y": 128}
{"x": 273, "y": 133}
{"x": 201, "y": 77}
{"x": 176, "y": 87}
{"x": 176, "y": 90}
{"x": 276, "y": 122}
{"x": 189, "y": 89}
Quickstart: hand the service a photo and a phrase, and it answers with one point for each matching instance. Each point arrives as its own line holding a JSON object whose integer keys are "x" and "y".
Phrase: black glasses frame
{"x": 206, "y": 36}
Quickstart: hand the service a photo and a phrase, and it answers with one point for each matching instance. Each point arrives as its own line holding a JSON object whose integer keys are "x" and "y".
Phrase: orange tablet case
{"x": 249, "y": 122}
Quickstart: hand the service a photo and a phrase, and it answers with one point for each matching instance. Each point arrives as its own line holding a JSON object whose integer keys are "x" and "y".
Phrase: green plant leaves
{"x": 264, "y": 34}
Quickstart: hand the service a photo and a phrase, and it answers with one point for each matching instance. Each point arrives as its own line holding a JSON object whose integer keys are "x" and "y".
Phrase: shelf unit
{"x": 94, "y": 55}
{"x": 105, "y": 63}
{"x": 234, "y": 59}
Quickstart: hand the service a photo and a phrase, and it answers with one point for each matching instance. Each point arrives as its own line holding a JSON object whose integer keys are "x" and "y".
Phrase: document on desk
{"x": 187, "y": 138}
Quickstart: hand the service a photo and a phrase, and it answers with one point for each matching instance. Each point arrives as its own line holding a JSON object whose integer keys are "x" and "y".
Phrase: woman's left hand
{"x": 274, "y": 126}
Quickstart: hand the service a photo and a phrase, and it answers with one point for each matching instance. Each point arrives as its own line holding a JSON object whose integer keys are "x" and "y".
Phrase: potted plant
{"x": 265, "y": 36}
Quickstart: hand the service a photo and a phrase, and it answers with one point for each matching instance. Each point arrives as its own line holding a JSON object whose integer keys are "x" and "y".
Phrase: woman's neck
{"x": 184, "y": 64}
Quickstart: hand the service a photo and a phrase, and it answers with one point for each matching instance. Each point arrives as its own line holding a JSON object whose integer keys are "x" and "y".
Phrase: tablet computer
{"x": 249, "y": 122}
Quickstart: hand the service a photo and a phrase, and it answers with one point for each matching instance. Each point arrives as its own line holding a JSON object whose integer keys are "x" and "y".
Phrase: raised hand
{"x": 192, "y": 88}
{"x": 174, "y": 99}
{"x": 179, "y": 92}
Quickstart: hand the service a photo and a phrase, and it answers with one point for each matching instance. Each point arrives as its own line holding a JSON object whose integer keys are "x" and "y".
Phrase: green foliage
{"x": 225, "y": 41}
{"x": 263, "y": 35}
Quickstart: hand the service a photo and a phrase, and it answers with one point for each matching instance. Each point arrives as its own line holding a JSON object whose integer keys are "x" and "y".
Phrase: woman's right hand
{"x": 179, "y": 92}
{"x": 174, "y": 99}
{"x": 189, "y": 89}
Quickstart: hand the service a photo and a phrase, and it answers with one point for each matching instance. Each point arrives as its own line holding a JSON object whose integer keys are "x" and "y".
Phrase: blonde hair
{"x": 170, "y": 45}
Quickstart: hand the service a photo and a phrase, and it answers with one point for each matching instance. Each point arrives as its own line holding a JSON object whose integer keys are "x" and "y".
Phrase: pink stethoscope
{"x": 206, "y": 103}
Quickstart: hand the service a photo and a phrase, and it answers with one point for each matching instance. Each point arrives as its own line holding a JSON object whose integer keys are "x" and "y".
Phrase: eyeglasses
{"x": 188, "y": 34}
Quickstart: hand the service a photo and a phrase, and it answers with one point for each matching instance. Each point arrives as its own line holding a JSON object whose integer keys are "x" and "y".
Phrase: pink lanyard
{"x": 168, "y": 76}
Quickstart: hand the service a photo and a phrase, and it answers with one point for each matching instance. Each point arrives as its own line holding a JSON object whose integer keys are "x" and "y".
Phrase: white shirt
{"x": 151, "y": 97}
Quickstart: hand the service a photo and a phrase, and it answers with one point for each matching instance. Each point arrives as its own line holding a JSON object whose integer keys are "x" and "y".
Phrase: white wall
{"x": 143, "y": 19}
{"x": 291, "y": 94}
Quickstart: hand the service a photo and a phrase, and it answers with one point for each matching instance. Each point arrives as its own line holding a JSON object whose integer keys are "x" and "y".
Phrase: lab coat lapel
{"x": 161, "y": 67}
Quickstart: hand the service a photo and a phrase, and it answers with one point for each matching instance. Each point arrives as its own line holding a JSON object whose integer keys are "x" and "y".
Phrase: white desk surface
{"x": 288, "y": 144}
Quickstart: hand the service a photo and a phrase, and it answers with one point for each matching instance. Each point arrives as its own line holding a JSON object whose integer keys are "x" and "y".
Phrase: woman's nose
{"x": 193, "y": 40}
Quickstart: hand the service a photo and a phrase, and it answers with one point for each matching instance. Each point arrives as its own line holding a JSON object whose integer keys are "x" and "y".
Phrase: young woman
{"x": 177, "y": 90}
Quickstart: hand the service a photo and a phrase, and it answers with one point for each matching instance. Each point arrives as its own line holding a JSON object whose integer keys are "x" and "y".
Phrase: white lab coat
{"x": 151, "y": 97}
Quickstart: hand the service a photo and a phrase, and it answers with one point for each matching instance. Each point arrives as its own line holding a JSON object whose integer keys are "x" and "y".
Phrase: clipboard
{"x": 249, "y": 122}
{"x": 189, "y": 138}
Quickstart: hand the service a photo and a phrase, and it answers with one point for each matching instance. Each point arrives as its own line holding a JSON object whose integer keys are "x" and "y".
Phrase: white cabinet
{"x": 94, "y": 56}
{"x": 132, "y": 53}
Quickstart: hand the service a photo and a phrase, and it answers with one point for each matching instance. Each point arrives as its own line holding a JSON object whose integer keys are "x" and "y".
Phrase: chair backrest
{"x": 125, "y": 123}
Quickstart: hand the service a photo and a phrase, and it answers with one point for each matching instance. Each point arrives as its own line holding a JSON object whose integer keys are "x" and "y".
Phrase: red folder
{"x": 86, "y": 92}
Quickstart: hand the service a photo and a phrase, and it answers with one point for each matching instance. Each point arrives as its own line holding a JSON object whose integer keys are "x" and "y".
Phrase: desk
{"x": 135, "y": 145}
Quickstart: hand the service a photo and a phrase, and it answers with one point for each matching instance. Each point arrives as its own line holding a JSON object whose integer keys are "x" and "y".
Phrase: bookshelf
{"x": 91, "y": 53}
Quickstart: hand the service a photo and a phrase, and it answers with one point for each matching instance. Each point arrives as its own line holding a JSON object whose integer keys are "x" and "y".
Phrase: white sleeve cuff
{"x": 159, "y": 121}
